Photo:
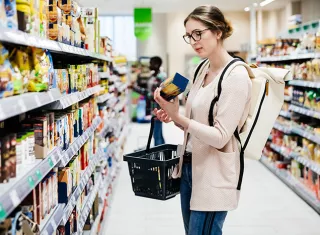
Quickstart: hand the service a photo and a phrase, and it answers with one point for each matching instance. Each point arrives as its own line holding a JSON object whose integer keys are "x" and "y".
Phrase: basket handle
{"x": 150, "y": 134}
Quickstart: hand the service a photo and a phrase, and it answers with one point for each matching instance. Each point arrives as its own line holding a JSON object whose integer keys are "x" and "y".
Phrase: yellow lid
{"x": 24, "y": 6}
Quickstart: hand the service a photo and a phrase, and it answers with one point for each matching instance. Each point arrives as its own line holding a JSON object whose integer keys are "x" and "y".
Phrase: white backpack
{"x": 267, "y": 98}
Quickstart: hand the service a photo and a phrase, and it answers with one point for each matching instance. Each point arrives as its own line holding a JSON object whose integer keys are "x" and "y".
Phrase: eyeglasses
{"x": 195, "y": 35}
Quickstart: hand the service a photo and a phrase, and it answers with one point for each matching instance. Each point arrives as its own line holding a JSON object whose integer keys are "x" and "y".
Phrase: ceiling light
{"x": 247, "y": 9}
{"x": 266, "y": 2}
{"x": 255, "y": 4}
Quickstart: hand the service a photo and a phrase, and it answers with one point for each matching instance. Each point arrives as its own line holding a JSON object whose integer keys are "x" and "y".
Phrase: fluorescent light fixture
{"x": 247, "y": 9}
{"x": 265, "y": 2}
{"x": 255, "y": 4}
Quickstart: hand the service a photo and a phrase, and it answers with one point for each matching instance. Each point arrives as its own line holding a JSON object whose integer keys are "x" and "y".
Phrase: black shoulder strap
{"x": 215, "y": 100}
{"x": 236, "y": 132}
{"x": 198, "y": 69}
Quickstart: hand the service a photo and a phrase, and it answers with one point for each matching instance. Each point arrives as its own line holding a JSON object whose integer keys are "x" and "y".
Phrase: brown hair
{"x": 213, "y": 18}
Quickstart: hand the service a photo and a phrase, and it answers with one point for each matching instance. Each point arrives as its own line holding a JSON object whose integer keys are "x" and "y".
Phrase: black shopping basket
{"x": 151, "y": 170}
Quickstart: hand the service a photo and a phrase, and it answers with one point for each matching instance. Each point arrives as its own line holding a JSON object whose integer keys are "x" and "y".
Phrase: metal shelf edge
{"x": 294, "y": 187}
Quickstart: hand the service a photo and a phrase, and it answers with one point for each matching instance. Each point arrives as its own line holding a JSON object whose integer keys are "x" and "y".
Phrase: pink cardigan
{"x": 215, "y": 151}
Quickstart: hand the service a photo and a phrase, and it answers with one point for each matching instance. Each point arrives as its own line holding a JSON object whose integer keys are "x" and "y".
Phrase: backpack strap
{"x": 215, "y": 100}
{"x": 236, "y": 133}
{"x": 198, "y": 69}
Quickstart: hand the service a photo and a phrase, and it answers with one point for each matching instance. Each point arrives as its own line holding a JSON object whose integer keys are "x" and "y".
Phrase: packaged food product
{"x": 65, "y": 5}
{"x": 11, "y": 13}
{"x": 44, "y": 193}
{"x": 52, "y": 2}
{"x": 51, "y": 72}
{"x": 35, "y": 17}
{"x": 316, "y": 69}
{"x": 13, "y": 159}
{"x": 43, "y": 18}
{"x": 3, "y": 18}
{"x": 24, "y": 15}
{"x": 53, "y": 31}
{"x": 6, "y": 84}
{"x": 65, "y": 80}
{"x": 54, "y": 14}
{"x": 42, "y": 71}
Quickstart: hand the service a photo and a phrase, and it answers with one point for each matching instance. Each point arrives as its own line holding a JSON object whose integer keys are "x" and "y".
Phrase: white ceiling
{"x": 163, "y": 6}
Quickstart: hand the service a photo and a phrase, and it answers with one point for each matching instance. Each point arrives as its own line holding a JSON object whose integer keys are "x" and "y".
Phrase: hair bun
{"x": 228, "y": 30}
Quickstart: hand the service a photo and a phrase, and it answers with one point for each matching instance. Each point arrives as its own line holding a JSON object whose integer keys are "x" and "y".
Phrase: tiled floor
{"x": 267, "y": 206}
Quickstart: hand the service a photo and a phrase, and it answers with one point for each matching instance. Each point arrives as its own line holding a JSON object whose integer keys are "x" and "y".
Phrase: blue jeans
{"x": 157, "y": 133}
{"x": 197, "y": 222}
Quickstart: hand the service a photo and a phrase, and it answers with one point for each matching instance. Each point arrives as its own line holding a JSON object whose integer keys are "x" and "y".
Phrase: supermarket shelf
{"x": 302, "y": 83}
{"x": 104, "y": 98}
{"x": 293, "y": 184}
{"x": 281, "y": 150}
{"x": 122, "y": 87}
{"x": 104, "y": 185}
{"x": 79, "y": 142}
{"x": 104, "y": 75}
{"x": 305, "y": 111}
{"x": 78, "y": 191}
{"x": 18, "y": 189}
{"x": 307, "y": 135}
{"x": 287, "y": 98}
{"x": 25, "y": 39}
{"x": 306, "y": 162}
{"x": 52, "y": 221}
{"x": 88, "y": 205}
{"x": 15, "y": 105}
{"x": 73, "y": 98}
{"x": 123, "y": 136}
{"x": 288, "y": 58}
{"x": 119, "y": 107}
{"x": 282, "y": 128}
{"x": 285, "y": 114}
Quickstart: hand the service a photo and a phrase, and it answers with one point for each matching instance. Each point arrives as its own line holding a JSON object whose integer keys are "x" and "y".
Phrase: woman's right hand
{"x": 162, "y": 115}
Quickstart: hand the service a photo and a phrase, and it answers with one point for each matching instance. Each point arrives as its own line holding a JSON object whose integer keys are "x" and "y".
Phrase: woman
{"x": 210, "y": 166}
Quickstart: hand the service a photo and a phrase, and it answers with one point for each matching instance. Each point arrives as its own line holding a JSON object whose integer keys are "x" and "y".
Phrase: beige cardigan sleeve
{"x": 236, "y": 90}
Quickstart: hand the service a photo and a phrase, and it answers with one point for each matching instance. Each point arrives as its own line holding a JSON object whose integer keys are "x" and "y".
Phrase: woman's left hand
{"x": 171, "y": 108}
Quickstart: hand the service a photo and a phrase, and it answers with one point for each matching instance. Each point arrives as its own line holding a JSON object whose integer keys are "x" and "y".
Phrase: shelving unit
{"x": 293, "y": 184}
{"x": 73, "y": 98}
{"x": 15, "y": 105}
{"x": 29, "y": 178}
{"x": 285, "y": 114}
{"x": 293, "y": 126}
{"x": 79, "y": 142}
{"x": 282, "y": 128}
{"x": 51, "y": 223}
{"x": 305, "y": 111}
{"x": 302, "y": 83}
{"x": 16, "y": 190}
{"x": 305, "y": 56}
{"x": 25, "y": 39}
{"x": 77, "y": 192}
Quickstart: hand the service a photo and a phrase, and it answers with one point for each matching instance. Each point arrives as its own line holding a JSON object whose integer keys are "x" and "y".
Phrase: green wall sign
{"x": 142, "y": 23}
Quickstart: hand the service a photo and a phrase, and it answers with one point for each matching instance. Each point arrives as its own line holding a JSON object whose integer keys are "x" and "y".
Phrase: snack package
{"x": 51, "y": 73}
{"x": 65, "y": 5}
{"x": 316, "y": 69}
{"x": 172, "y": 87}
{"x": 11, "y": 13}
{"x": 6, "y": 83}
{"x": 39, "y": 78}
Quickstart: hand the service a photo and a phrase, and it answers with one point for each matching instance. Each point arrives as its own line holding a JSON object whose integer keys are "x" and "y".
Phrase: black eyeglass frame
{"x": 200, "y": 32}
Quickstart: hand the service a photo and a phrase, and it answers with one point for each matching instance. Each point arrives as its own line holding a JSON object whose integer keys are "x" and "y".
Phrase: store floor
{"x": 267, "y": 206}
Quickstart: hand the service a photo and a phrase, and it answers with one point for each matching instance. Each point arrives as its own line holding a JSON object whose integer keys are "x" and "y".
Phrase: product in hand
{"x": 172, "y": 87}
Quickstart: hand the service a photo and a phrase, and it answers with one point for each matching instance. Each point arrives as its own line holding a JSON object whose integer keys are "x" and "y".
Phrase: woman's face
{"x": 209, "y": 39}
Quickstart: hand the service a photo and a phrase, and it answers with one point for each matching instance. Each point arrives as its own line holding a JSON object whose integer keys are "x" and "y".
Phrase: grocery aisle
{"x": 267, "y": 206}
